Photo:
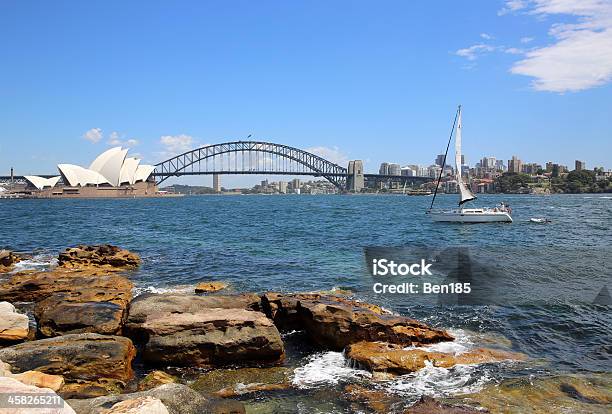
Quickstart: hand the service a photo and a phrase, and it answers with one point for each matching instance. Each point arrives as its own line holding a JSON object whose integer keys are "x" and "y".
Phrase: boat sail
{"x": 465, "y": 193}
{"x": 465, "y": 215}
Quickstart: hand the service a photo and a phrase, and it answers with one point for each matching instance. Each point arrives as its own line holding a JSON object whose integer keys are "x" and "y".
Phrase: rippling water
{"x": 548, "y": 274}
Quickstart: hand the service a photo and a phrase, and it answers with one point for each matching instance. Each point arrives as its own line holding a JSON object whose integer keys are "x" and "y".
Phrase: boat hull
{"x": 471, "y": 216}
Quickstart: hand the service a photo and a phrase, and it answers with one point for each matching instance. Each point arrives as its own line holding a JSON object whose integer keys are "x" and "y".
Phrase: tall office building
{"x": 384, "y": 168}
{"x": 440, "y": 160}
{"x": 500, "y": 165}
{"x": 580, "y": 165}
{"x": 395, "y": 169}
{"x": 549, "y": 166}
{"x": 515, "y": 165}
{"x": 282, "y": 187}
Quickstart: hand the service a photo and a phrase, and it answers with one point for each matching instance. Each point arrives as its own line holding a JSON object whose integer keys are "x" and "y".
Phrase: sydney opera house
{"x": 111, "y": 174}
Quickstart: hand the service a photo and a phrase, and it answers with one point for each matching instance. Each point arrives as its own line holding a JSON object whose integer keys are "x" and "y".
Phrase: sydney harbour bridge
{"x": 267, "y": 158}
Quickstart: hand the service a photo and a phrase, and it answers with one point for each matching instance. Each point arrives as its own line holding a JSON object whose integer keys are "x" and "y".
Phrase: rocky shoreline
{"x": 86, "y": 333}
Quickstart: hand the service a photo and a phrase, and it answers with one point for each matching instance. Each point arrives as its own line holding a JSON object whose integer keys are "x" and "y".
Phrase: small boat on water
{"x": 502, "y": 213}
{"x": 539, "y": 220}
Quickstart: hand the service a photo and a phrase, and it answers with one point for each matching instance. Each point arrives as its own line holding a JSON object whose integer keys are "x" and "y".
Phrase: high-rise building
{"x": 488, "y": 163}
{"x": 282, "y": 187}
{"x": 440, "y": 160}
{"x": 296, "y": 184}
{"x": 531, "y": 168}
{"x": 384, "y": 168}
{"x": 500, "y": 165}
{"x": 408, "y": 172}
{"x": 549, "y": 166}
{"x": 395, "y": 169}
{"x": 515, "y": 165}
{"x": 580, "y": 165}
{"x": 434, "y": 171}
{"x": 216, "y": 183}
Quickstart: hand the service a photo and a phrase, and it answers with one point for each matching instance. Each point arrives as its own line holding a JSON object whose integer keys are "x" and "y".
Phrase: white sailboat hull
{"x": 471, "y": 215}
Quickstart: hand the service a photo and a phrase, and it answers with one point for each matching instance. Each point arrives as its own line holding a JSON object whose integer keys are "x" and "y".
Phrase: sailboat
{"x": 462, "y": 214}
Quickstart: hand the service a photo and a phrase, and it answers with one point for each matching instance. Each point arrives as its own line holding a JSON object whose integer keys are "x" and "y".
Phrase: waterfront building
{"x": 580, "y": 165}
{"x": 384, "y": 168}
{"x": 531, "y": 168}
{"x": 434, "y": 171}
{"x": 549, "y": 166}
{"x": 111, "y": 174}
{"x": 395, "y": 169}
{"x": 515, "y": 165}
{"x": 408, "y": 172}
{"x": 439, "y": 160}
{"x": 282, "y": 187}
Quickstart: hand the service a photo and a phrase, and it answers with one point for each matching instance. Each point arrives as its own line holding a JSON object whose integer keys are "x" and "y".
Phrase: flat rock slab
{"x": 177, "y": 398}
{"x": 390, "y": 359}
{"x": 13, "y": 386}
{"x": 14, "y": 326}
{"x": 182, "y": 330}
{"x": 73, "y": 301}
{"x": 90, "y": 363}
{"x": 98, "y": 256}
{"x": 335, "y": 322}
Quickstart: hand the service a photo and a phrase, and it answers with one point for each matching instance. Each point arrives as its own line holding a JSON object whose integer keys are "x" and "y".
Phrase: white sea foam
{"x": 461, "y": 344}
{"x": 440, "y": 382}
{"x": 139, "y": 290}
{"x": 37, "y": 262}
{"x": 326, "y": 368}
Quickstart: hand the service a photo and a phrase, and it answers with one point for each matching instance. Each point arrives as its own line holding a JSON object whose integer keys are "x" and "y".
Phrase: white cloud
{"x": 115, "y": 139}
{"x": 512, "y": 6}
{"x": 332, "y": 154}
{"x": 472, "y": 52}
{"x": 581, "y": 56}
{"x": 486, "y": 36}
{"x": 514, "y": 51}
{"x": 94, "y": 135}
{"x": 526, "y": 39}
{"x": 176, "y": 144}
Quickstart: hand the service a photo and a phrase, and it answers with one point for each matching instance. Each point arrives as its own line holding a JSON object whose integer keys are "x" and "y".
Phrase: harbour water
{"x": 549, "y": 275}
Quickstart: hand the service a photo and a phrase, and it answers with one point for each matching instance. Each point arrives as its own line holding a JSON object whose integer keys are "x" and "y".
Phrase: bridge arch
{"x": 190, "y": 162}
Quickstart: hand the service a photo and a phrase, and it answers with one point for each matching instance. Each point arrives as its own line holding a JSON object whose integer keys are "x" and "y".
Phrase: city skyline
{"x": 344, "y": 80}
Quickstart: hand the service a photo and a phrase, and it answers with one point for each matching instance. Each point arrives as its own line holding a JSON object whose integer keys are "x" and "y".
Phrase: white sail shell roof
{"x": 109, "y": 164}
{"x": 128, "y": 170}
{"x": 75, "y": 175}
{"x": 143, "y": 172}
{"x": 40, "y": 182}
{"x": 98, "y": 163}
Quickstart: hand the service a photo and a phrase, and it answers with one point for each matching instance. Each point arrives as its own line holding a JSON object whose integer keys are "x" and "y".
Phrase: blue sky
{"x": 377, "y": 81}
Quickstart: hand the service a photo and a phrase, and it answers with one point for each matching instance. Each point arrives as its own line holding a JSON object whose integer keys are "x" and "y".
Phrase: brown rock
{"x": 12, "y": 386}
{"x": 155, "y": 379}
{"x": 283, "y": 308}
{"x": 140, "y": 405}
{"x": 428, "y": 405}
{"x": 98, "y": 256}
{"x": 178, "y": 399}
{"x": 233, "y": 382}
{"x": 392, "y": 359}
{"x": 35, "y": 378}
{"x": 90, "y": 363}
{"x": 14, "y": 326}
{"x": 8, "y": 260}
{"x": 376, "y": 400}
{"x": 335, "y": 321}
{"x": 73, "y": 301}
{"x": 179, "y": 330}
{"x": 207, "y": 287}
{"x": 570, "y": 393}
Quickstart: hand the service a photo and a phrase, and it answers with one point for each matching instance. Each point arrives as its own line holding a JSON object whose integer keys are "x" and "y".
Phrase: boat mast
{"x": 444, "y": 161}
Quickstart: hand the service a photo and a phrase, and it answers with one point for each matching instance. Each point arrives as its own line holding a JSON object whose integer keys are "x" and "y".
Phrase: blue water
{"x": 550, "y": 274}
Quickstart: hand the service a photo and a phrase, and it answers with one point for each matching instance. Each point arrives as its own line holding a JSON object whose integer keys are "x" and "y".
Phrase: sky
{"x": 377, "y": 81}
